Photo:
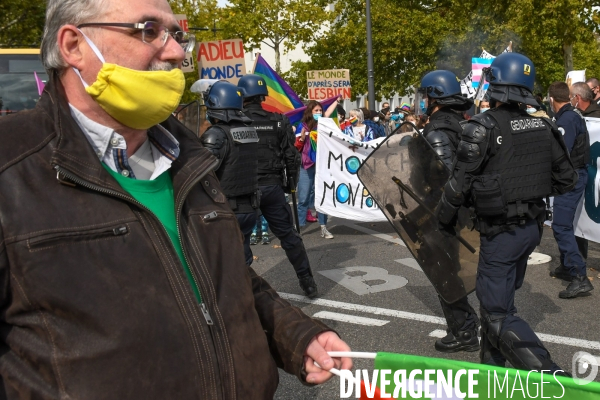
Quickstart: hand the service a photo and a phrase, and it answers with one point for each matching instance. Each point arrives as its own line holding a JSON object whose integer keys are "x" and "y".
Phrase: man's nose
{"x": 172, "y": 52}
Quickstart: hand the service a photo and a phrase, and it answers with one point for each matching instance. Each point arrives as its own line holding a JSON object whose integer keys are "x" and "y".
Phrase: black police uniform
{"x": 507, "y": 162}
{"x": 443, "y": 134}
{"x": 572, "y": 259}
{"x": 276, "y": 156}
{"x": 236, "y": 146}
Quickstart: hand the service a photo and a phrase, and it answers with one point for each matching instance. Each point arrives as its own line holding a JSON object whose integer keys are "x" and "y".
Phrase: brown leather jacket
{"x": 94, "y": 300}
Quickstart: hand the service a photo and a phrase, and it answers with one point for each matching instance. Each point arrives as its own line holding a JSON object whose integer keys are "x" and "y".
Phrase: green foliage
{"x": 275, "y": 23}
{"x": 21, "y": 23}
{"x": 195, "y": 10}
{"x": 412, "y": 37}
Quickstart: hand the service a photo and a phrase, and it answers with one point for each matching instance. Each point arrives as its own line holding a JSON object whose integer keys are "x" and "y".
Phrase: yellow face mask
{"x": 137, "y": 99}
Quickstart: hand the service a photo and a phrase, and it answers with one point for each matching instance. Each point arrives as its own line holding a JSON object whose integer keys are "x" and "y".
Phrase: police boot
{"x": 309, "y": 286}
{"x": 562, "y": 273}
{"x": 463, "y": 341}
{"x": 579, "y": 285}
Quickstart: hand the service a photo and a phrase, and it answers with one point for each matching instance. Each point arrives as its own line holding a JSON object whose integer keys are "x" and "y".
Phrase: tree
{"x": 547, "y": 32}
{"x": 275, "y": 23}
{"x": 412, "y": 37}
{"x": 22, "y": 23}
{"x": 407, "y": 37}
{"x": 197, "y": 17}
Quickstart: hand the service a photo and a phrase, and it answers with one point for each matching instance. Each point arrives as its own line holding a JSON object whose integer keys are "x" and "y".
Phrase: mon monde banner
{"x": 338, "y": 192}
{"x": 587, "y": 217}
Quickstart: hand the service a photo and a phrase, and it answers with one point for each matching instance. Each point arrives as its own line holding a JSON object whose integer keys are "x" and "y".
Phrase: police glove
{"x": 446, "y": 230}
{"x": 291, "y": 182}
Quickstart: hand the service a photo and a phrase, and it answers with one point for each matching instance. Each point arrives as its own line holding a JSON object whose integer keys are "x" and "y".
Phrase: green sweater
{"x": 157, "y": 196}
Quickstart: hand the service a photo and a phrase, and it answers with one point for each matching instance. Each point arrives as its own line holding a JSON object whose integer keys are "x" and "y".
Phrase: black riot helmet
{"x": 441, "y": 87}
{"x": 440, "y": 84}
{"x": 253, "y": 85}
{"x": 511, "y": 77}
{"x": 223, "y": 100}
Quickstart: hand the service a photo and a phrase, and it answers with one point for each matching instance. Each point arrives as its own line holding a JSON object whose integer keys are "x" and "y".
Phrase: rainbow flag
{"x": 282, "y": 97}
{"x": 295, "y": 116}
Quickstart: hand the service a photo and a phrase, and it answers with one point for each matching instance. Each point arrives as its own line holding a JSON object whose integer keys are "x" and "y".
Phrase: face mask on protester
{"x": 316, "y": 116}
{"x": 353, "y": 120}
{"x": 375, "y": 119}
{"x": 422, "y": 106}
{"x": 137, "y": 99}
{"x": 484, "y": 109}
{"x": 531, "y": 110}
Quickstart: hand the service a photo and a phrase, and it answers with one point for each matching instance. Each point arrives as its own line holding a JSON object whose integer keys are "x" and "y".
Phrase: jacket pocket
{"x": 488, "y": 196}
{"x": 50, "y": 240}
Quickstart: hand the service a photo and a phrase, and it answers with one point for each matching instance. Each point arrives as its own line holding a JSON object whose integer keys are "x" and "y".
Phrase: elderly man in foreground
{"x": 122, "y": 272}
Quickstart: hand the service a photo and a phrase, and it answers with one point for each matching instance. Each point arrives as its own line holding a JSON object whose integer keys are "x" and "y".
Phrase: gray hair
{"x": 359, "y": 114}
{"x": 58, "y": 14}
{"x": 583, "y": 90}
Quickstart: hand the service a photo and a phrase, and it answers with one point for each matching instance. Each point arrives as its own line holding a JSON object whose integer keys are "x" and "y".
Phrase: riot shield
{"x": 193, "y": 116}
{"x": 405, "y": 177}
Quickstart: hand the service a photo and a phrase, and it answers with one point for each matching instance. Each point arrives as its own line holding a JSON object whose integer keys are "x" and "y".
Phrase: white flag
{"x": 466, "y": 86}
{"x": 485, "y": 54}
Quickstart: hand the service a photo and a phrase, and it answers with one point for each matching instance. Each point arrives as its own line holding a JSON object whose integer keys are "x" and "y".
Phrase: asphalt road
{"x": 391, "y": 306}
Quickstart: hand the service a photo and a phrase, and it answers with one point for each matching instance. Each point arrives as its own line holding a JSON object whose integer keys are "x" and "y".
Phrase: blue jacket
{"x": 572, "y": 123}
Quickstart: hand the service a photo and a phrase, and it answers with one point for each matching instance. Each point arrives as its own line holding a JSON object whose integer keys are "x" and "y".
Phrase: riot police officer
{"x": 442, "y": 95}
{"x": 278, "y": 166}
{"x": 507, "y": 162}
{"x": 572, "y": 263}
{"x": 235, "y": 144}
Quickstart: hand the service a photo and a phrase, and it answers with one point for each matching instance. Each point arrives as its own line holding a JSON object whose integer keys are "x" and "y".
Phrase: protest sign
{"x": 222, "y": 59}
{"x": 188, "y": 62}
{"x": 587, "y": 216}
{"x": 182, "y": 21}
{"x": 575, "y": 76}
{"x": 338, "y": 191}
{"x": 328, "y": 83}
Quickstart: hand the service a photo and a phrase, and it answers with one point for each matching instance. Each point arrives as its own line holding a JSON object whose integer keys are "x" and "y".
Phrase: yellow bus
{"x": 18, "y": 87}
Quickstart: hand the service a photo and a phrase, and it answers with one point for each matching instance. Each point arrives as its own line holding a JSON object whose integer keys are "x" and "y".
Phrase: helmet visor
{"x": 421, "y": 102}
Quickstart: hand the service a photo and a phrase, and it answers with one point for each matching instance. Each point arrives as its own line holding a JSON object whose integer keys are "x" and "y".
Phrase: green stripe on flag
{"x": 492, "y": 382}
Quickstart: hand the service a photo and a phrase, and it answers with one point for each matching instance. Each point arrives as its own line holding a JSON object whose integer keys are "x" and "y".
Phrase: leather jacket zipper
{"x": 48, "y": 239}
{"x": 74, "y": 178}
{"x": 178, "y": 209}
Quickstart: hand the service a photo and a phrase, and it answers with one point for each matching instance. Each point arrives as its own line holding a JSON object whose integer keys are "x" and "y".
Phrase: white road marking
{"x": 410, "y": 262}
{"x": 366, "y": 309}
{"x": 544, "y": 337}
{"x": 353, "y": 319}
{"x": 581, "y": 343}
{"x": 365, "y": 280}
{"x": 538, "y": 258}
{"x": 371, "y": 232}
{"x": 438, "y": 333}
{"x": 587, "y": 344}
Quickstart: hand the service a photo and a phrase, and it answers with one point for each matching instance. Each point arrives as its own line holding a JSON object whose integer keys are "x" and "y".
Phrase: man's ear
{"x": 69, "y": 41}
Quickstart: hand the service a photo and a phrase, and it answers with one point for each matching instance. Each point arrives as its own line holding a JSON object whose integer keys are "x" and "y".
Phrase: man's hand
{"x": 317, "y": 351}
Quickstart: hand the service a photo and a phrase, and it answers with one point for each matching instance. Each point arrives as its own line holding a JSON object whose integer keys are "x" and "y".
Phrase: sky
{"x": 221, "y": 3}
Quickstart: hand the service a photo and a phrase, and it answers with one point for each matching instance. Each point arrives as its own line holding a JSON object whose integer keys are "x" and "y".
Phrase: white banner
{"x": 574, "y": 77}
{"x": 466, "y": 86}
{"x": 587, "y": 217}
{"x": 338, "y": 192}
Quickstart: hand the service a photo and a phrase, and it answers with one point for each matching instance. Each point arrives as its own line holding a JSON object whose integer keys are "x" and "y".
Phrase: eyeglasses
{"x": 152, "y": 32}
